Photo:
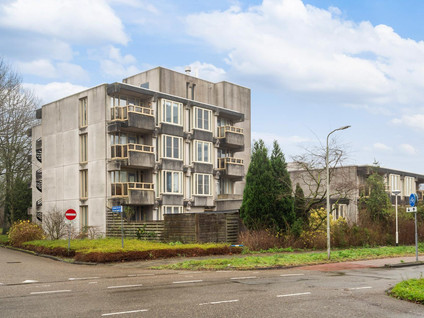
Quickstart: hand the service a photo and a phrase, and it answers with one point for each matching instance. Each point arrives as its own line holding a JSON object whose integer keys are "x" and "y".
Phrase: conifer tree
{"x": 299, "y": 204}
{"x": 258, "y": 197}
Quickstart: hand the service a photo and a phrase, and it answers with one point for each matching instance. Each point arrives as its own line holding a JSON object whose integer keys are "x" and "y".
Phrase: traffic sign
{"x": 413, "y": 199}
{"x": 117, "y": 209}
{"x": 71, "y": 214}
{"x": 411, "y": 209}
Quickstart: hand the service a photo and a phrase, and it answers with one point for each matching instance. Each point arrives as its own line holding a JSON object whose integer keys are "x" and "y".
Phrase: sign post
{"x": 70, "y": 215}
{"x": 413, "y": 199}
{"x": 119, "y": 209}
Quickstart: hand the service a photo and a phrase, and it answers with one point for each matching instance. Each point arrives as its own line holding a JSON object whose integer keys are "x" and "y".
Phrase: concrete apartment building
{"x": 159, "y": 141}
{"x": 348, "y": 184}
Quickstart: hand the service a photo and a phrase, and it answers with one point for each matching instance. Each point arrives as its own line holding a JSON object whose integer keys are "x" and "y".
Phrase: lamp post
{"x": 396, "y": 193}
{"x": 328, "y": 190}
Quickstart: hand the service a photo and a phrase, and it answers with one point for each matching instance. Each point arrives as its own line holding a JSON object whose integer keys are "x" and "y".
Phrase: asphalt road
{"x": 32, "y": 286}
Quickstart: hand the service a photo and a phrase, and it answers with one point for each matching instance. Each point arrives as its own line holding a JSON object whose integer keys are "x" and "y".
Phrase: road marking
{"x": 132, "y": 275}
{"x": 287, "y": 275}
{"x": 188, "y": 281}
{"x": 29, "y": 281}
{"x": 219, "y": 302}
{"x": 83, "y": 278}
{"x": 297, "y": 294}
{"x": 365, "y": 287}
{"x": 125, "y": 286}
{"x": 247, "y": 277}
{"x": 92, "y": 283}
{"x": 124, "y": 312}
{"x": 225, "y": 271}
{"x": 51, "y": 292}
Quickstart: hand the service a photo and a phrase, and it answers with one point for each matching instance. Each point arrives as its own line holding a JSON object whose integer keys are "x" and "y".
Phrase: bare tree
{"x": 16, "y": 117}
{"x": 54, "y": 224}
{"x": 309, "y": 171}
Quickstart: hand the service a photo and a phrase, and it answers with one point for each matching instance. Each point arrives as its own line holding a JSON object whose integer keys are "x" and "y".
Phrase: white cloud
{"x": 115, "y": 64}
{"x": 53, "y": 91}
{"x": 308, "y": 50}
{"x": 47, "y": 69}
{"x": 78, "y": 21}
{"x": 269, "y": 138}
{"x": 414, "y": 121}
{"x": 381, "y": 146}
{"x": 408, "y": 149}
{"x": 205, "y": 71}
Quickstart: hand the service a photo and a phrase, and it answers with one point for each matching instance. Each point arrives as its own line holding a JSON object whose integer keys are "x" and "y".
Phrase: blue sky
{"x": 312, "y": 65}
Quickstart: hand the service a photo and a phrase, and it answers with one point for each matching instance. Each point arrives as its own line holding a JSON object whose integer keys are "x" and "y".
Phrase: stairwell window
{"x": 83, "y": 217}
{"x": 172, "y": 112}
{"x": 83, "y": 148}
{"x": 202, "y": 118}
{"x": 83, "y": 185}
{"x": 83, "y": 112}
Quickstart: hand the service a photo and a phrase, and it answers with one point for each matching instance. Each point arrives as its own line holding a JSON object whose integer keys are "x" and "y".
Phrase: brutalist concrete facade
{"x": 158, "y": 142}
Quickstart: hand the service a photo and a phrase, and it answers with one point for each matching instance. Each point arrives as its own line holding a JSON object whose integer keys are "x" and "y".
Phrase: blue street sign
{"x": 413, "y": 199}
{"x": 117, "y": 209}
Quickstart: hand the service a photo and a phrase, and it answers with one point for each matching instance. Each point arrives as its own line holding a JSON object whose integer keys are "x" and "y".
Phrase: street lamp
{"x": 396, "y": 193}
{"x": 328, "y": 190}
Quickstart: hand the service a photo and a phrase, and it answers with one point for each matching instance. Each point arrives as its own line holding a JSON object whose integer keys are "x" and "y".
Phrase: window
{"x": 394, "y": 180}
{"x": 172, "y": 147}
{"x": 169, "y": 209}
{"x": 225, "y": 186}
{"x": 83, "y": 216}
{"x": 202, "y": 151}
{"x": 339, "y": 211}
{"x": 83, "y": 112}
{"x": 409, "y": 185}
{"x": 202, "y": 184}
{"x": 202, "y": 118}
{"x": 171, "y": 112}
{"x": 172, "y": 182}
{"x": 83, "y": 184}
{"x": 83, "y": 148}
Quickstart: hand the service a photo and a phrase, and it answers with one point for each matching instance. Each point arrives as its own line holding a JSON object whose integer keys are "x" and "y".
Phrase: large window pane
{"x": 168, "y": 112}
{"x": 206, "y": 184}
{"x": 176, "y": 182}
{"x": 175, "y": 113}
{"x": 199, "y": 118}
{"x": 168, "y": 181}
{"x": 168, "y": 144}
{"x": 206, "y": 120}
{"x": 176, "y": 148}
{"x": 206, "y": 153}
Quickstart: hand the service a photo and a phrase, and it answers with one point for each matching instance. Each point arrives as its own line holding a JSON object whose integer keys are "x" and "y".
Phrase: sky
{"x": 312, "y": 65}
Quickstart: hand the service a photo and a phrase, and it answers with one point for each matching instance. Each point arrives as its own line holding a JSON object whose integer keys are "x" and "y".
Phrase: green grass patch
{"x": 112, "y": 245}
{"x": 294, "y": 259}
{"x": 412, "y": 290}
{"x": 4, "y": 239}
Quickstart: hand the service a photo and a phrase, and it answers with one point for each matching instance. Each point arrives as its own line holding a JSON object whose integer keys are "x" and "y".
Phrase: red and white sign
{"x": 70, "y": 214}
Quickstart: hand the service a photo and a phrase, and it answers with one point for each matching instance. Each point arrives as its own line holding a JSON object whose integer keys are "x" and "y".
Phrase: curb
{"x": 406, "y": 264}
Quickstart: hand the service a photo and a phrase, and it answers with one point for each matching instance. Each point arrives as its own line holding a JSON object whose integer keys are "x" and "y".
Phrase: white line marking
{"x": 29, "y": 281}
{"x": 188, "y": 281}
{"x": 146, "y": 274}
{"x": 219, "y": 302}
{"x": 125, "y": 286}
{"x": 297, "y": 294}
{"x": 225, "y": 271}
{"x": 83, "y": 278}
{"x": 247, "y": 277}
{"x": 92, "y": 283}
{"x": 124, "y": 312}
{"x": 51, "y": 292}
{"x": 355, "y": 288}
{"x": 287, "y": 275}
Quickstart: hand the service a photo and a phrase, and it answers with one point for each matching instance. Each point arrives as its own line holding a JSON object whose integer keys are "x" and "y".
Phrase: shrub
{"x": 55, "y": 225}
{"x": 259, "y": 240}
{"x": 24, "y": 231}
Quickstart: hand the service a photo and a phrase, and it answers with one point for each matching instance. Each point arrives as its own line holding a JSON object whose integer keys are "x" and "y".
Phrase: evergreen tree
{"x": 258, "y": 197}
{"x": 19, "y": 201}
{"x": 283, "y": 211}
{"x": 300, "y": 204}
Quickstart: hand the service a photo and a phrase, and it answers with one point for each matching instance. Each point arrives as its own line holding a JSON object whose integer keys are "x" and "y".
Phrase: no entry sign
{"x": 70, "y": 214}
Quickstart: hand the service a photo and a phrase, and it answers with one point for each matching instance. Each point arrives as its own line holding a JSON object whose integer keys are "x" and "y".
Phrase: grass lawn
{"x": 294, "y": 259}
{"x": 111, "y": 245}
{"x": 3, "y": 239}
{"x": 412, "y": 290}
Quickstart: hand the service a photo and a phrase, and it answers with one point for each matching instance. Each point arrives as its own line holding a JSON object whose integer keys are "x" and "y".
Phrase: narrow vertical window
{"x": 83, "y": 217}
{"x": 83, "y": 148}
{"x": 83, "y": 112}
{"x": 83, "y": 184}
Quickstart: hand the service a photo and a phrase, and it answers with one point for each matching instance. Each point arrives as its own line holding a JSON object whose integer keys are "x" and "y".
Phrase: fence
{"x": 184, "y": 227}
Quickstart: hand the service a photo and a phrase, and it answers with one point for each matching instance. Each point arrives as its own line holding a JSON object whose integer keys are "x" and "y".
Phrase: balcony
{"x": 134, "y": 155}
{"x": 231, "y": 137}
{"x": 39, "y": 185}
{"x": 134, "y": 118}
{"x": 134, "y": 193}
{"x": 231, "y": 168}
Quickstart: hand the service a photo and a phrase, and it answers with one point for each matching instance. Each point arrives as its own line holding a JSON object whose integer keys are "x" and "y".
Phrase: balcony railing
{"x": 39, "y": 185}
{"x": 120, "y": 189}
{"x": 121, "y": 151}
{"x": 120, "y": 113}
{"x": 38, "y": 174}
{"x": 39, "y": 154}
{"x": 224, "y": 129}
{"x": 39, "y": 203}
{"x": 223, "y": 162}
{"x": 38, "y": 143}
